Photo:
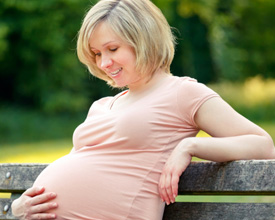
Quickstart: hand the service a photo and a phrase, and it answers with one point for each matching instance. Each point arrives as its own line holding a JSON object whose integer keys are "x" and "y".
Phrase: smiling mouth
{"x": 116, "y": 72}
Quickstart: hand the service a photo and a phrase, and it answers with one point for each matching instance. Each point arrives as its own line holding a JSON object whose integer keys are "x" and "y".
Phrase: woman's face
{"x": 114, "y": 56}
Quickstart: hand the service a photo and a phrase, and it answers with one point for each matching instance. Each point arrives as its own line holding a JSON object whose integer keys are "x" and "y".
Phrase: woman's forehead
{"x": 103, "y": 35}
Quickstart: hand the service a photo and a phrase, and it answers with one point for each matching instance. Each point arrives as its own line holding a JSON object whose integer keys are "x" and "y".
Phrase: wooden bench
{"x": 254, "y": 177}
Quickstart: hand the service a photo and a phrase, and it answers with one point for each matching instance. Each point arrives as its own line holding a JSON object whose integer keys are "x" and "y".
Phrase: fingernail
{"x": 174, "y": 195}
{"x": 167, "y": 203}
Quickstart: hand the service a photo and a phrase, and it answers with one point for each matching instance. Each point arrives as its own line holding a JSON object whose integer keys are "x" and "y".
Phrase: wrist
{"x": 188, "y": 146}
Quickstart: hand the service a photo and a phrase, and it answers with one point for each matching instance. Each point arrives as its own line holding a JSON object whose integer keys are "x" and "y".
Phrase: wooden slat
{"x": 252, "y": 177}
{"x": 220, "y": 211}
{"x": 5, "y": 203}
{"x": 206, "y": 178}
{"x": 21, "y": 177}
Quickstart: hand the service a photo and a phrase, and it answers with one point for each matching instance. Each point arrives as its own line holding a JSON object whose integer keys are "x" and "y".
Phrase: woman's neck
{"x": 146, "y": 84}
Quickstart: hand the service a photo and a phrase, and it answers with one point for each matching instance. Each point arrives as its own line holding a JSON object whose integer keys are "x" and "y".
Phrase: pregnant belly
{"x": 90, "y": 186}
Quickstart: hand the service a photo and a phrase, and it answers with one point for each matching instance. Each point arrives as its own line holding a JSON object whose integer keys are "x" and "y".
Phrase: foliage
{"x": 23, "y": 125}
{"x": 242, "y": 39}
{"x": 217, "y": 40}
{"x": 255, "y": 98}
{"x": 193, "y": 52}
{"x": 39, "y": 67}
{"x": 229, "y": 39}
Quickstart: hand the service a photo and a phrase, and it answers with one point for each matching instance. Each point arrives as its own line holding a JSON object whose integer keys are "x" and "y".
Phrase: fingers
{"x": 37, "y": 208}
{"x": 174, "y": 185}
{"x": 34, "y": 203}
{"x": 42, "y": 208}
{"x": 168, "y": 187}
{"x": 33, "y": 191}
{"x": 43, "y": 198}
{"x": 174, "y": 167}
{"x": 162, "y": 189}
{"x": 43, "y": 216}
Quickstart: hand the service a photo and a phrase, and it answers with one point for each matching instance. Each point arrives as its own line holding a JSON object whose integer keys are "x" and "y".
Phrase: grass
{"x": 37, "y": 152}
{"x": 229, "y": 199}
{"x": 20, "y": 125}
{"x": 254, "y": 98}
{"x": 46, "y": 151}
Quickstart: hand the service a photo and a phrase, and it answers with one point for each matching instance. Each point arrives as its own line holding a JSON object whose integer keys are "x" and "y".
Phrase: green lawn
{"x": 231, "y": 199}
{"x": 37, "y": 152}
{"x": 48, "y": 151}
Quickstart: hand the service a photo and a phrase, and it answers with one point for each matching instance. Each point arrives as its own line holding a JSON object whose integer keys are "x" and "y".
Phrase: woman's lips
{"x": 116, "y": 72}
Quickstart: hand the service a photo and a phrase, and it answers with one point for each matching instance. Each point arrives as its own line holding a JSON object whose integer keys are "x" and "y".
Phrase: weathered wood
{"x": 252, "y": 177}
{"x": 238, "y": 177}
{"x": 220, "y": 211}
{"x": 5, "y": 209}
{"x": 18, "y": 177}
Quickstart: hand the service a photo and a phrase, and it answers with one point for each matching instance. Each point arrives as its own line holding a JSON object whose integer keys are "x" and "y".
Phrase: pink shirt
{"x": 118, "y": 156}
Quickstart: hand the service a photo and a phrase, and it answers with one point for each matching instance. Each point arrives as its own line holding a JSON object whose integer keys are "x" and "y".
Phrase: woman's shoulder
{"x": 185, "y": 80}
{"x": 104, "y": 100}
{"x": 107, "y": 101}
{"x": 189, "y": 85}
{"x": 182, "y": 80}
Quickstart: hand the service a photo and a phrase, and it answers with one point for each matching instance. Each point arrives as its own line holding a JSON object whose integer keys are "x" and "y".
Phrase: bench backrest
{"x": 247, "y": 178}
{"x": 254, "y": 177}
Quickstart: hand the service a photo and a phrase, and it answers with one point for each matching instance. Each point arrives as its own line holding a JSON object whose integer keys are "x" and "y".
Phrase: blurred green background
{"x": 45, "y": 92}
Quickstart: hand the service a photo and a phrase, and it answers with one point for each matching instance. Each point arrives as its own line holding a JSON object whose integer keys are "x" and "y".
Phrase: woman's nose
{"x": 106, "y": 62}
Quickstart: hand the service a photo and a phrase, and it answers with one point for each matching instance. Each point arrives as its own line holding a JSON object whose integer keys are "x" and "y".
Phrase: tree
{"x": 39, "y": 66}
{"x": 229, "y": 39}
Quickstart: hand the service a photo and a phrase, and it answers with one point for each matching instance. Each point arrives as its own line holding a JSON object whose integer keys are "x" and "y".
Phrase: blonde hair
{"x": 138, "y": 22}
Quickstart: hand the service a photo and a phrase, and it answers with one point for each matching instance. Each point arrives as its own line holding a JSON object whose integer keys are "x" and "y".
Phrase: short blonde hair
{"x": 138, "y": 22}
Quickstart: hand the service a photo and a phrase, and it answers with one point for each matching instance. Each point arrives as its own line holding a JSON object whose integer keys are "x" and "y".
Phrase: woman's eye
{"x": 97, "y": 54}
{"x": 113, "y": 49}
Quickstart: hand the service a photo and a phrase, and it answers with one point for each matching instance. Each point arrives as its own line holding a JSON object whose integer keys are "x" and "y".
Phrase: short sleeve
{"x": 101, "y": 103}
{"x": 191, "y": 95}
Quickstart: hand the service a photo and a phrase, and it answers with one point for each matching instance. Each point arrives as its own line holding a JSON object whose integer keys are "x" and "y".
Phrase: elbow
{"x": 271, "y": 153}
{"x": 268, "y": 149}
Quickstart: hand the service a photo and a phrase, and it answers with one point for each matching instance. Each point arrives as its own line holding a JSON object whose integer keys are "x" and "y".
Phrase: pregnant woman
{"x": 131, "y": 149}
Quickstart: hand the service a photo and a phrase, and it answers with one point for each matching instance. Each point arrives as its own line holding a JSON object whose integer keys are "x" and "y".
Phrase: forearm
{"x": 231, "y": 148}
{"x": 243, "y": 147}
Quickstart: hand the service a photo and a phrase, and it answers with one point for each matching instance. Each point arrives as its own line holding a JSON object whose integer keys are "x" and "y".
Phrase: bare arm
{"x": 233, "y": 138}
